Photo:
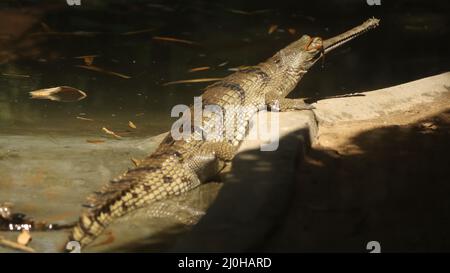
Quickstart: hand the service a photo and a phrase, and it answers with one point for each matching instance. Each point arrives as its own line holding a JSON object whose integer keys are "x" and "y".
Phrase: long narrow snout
{"x": 340, "y": 39}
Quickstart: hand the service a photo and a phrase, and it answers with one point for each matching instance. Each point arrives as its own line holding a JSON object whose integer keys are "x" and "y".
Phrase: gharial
{"x": 179, "y": 165}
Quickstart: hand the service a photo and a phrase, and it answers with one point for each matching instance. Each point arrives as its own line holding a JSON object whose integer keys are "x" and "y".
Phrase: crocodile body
{"x": 180, "y": 165}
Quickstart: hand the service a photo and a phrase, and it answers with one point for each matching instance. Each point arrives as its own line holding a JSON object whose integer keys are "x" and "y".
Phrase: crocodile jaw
{"x": 341, "y": 39}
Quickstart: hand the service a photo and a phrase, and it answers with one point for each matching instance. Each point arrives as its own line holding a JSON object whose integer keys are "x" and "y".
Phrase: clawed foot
{"x": 285, "y": 104}
{"x": 303, "y": 106}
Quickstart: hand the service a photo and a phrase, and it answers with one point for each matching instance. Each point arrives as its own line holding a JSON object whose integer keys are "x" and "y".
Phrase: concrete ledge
{"x": 258, "y": 191}
{"x": 383, "y": 102}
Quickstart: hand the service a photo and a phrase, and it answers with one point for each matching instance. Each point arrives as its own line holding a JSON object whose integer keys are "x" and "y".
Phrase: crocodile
{"x": 179, "y": 165}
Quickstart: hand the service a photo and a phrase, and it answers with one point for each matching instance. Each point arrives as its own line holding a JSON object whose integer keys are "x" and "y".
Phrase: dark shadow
{"x": 255, "y": 198}
{"x": 314, "y": 99}
{"x": 394, "y": 190}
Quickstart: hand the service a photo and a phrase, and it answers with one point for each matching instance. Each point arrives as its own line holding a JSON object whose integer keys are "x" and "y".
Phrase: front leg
{"x": 285, "y": 104}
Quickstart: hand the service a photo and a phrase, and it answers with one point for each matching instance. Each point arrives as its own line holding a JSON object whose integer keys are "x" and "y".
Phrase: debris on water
{"x": 95, "y": 141}
{"x": 223, "y": 64}
{"x": 292, "y": 31}
{"x": 24, "y": 237}
{"x": 132, "y": 125}
{"x": 60, "y": 93}
{"x": 242, "y": 67}
{"x": 139, "y": 31}
{"x": 124, "y": 133}
{"x": 5, "y": 210}
{"x": 86, "y": 119}
{"x": 175, "y": 40}
{"x": 16, "y": 246}
{"x": 196, "y": 69}
{"x": 15, "y": 75}
{"x": 88, "y": 59}
{"x": 75, "y": 33}
{"x": 272, "y": 28}
{"x": 101, "y": 70}
{"x": 109, "y": 132}
{"x": 13, "y": 221}
{"x": 193, "y": 81}
{"x": 140, "y": 114}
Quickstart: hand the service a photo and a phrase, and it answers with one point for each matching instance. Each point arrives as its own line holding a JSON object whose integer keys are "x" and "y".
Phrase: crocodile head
{"x": 341, "y": 39}
{"x": 300, "y": 55}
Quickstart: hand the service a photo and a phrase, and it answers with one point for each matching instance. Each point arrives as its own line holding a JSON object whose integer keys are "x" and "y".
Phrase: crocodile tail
{"x": 155, "y": 178}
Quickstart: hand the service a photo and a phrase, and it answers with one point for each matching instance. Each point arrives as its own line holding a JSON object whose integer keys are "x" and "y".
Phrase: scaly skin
{"x": 180, "y": 165}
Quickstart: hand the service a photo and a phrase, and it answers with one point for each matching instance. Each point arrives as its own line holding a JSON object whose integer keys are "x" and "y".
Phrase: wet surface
{"x": 49, "y": 178}
{"x": 44, "y": 153}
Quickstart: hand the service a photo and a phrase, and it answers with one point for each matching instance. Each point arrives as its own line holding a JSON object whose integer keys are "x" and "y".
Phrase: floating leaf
{"x": 95, "y": 141}
{"x": 5, "y": 210}
{"x": 101, "y": 70}
{"x": 88, "y": 59}
{"x": 60, "y": 93}
{"x": 175, "y": 40}
{"x": 24, "y": 237}
{"x": 193, "y": 81}
{"x": 272, "y": 28}
{"x": 242, "y": 67}
{"x": 16, "y": 246}
{"x": 15, "y": 75}
{"x": 292, "y": 31}
{"x": 203, "y": 68}
{"x": 109, "y": 132}
{"x": 86, "y": 119}
{"x": 138, "y": 31}
{"x": 76, "y": 33}
{"x": 132, "y": 125}
{"x": 223, "y": 64}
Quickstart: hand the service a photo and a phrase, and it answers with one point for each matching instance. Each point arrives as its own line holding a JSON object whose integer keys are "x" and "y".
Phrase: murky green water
{"x": 43, "y": 150}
